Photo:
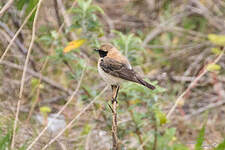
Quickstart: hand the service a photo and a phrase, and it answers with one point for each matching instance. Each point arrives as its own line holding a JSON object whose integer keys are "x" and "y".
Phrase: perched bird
{"x": 114, "y": 68}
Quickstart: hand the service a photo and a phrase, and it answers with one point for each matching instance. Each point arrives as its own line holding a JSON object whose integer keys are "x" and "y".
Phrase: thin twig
{"x": 57, "y": 13}
{"x": 60, "y": 111}
{"x": 15, "y": 123}
{"x": 144, "y": 143}
{"x": 29, "y": 49}
{"x": 40, "y": 78}
{"x": 17, "y": 33}
{"x": 38, "y": 75}
{"x": 6, "y": 6}
{"x": 73, "y": 94}
{"x": 24, "y": 71}
{"x": 71, "y": 122}
{"x": 155, "y": 132}
{"x": 114, "y": 126}
{"x": 192, "y": 84}
{"x": 34, "y": 102}
{"x": 20, "y": 46}
{"x": 115, "y": 90}
{"x": 164, "y": 25}
{"x": 88, "y": 140}
{"x": 110, "y": 24}
{"x": 203, "y": 109}
{"x": 66, "y": 17}
{"x": 212, "y": 19}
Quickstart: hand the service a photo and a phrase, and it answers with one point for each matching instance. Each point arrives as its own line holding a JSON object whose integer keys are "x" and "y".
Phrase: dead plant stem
{"x": 114, "y": 126}
{"x": 24, "y": 72}
{"x": 192, "y": 84}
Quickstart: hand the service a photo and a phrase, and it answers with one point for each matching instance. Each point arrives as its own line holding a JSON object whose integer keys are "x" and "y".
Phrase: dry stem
{"x": 60, "y": 111}
{"x": 192, "y": 84}
{"x": 17, "y": 33}
{"x": 71, "y": 122}
{"x": 114, "y": 126}
{"x": 7, "y": 5}
{"x": 115, "y": 90}
{"x": 38, "y": 75}
{"x": 24, "y": 71}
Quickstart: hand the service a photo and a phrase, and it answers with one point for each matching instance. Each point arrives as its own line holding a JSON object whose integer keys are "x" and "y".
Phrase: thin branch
{"x": 15, "y": 123}
{"x": 24, "y": 71}
{"x": 163, "y": 26}
{"x": 110, "y": 24}
{"x": 114, "y": 126}
{"x": 144, "y": 143}
{"x": 11, "y": 34}
{"x": 76, "y": 118}
{"x": 204, "y": 11}
{"x": 38, "y": 75}
{"x": 60, "y": 111}
{"x": 37, "y": 96}
{"x": 115, "y": 90}
{"x": 57, "y": 13}
{"x": 203, "y": 109}
{"x": 7, "y": 5}
{"x": 73, "y": 94}
{"x": 29, "y": 49}
{"x": 155, "y": 132}
{"x": 53, "y": 99}
{"x": 66, "y": 18}
{"x": 17, "y": 33}
{"x": 88, "y": 140}
{"x": 195, "y": 63}
{"x": 21, "y": 47}
{"x": 192, "y": 84}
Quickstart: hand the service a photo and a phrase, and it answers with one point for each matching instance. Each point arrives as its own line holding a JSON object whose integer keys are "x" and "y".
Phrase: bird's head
{"x": 105, "y": 49}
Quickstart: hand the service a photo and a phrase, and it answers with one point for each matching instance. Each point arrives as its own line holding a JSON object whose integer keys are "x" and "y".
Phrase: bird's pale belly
{"x": 109, "y": 79}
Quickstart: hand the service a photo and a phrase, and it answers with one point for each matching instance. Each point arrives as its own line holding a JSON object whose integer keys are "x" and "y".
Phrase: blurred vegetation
{"x": 168, "y": 42}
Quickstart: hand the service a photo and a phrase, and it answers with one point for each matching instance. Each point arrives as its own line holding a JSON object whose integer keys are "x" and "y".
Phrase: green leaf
{"x": 34, "y": 82}
{"x": 86, "y": 129}
{"x": 221, "y": 146}
{"x": 94, "y": 8}
{"x": 213, "y": 67}
{"x": 45, "y": 109}
{"x": 200, "y": 139}
{"x": 5, "y": 140}
{"x": 20, "y": 4}
{"x": 54, "y": 34}
{"x": 216, "y": 51}
{"x": 217, "y": 39}
{"x": 161, "y": 117}
{"x": 31, "y": 5}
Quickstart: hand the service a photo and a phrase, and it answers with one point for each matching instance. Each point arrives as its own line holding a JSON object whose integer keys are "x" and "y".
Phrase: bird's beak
{"x": 96, "y": 50}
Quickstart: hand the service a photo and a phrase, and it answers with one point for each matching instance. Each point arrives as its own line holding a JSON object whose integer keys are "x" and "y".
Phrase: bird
{"x": 114, "y": 68}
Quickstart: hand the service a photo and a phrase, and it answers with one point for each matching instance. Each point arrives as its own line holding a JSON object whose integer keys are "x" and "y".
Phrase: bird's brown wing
{"x": 121, "y": 70}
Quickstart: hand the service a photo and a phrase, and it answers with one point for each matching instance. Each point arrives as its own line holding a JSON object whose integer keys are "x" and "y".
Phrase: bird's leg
{"x": 115, "y": 90}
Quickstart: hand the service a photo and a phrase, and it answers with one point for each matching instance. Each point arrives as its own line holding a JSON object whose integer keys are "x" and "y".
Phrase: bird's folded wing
{"x": 118, "y": 69}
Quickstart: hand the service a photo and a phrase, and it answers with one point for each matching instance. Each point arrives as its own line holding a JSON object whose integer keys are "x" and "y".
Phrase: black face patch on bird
{"x": 102, "y": 53}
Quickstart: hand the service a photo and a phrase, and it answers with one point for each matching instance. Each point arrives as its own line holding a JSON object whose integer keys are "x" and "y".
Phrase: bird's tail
{"x": 146, "y": 84}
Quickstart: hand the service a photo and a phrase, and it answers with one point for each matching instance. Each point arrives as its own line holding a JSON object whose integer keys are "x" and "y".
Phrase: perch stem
{"x": 115, "y": 90}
